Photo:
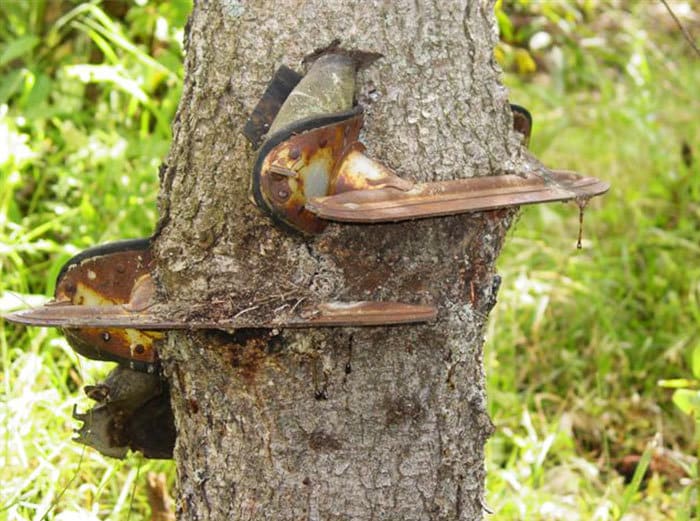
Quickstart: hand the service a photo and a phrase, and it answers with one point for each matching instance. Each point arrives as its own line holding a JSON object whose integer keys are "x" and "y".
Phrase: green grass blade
{"x": 18, "y": 48}
{"x": 637, "y": 478}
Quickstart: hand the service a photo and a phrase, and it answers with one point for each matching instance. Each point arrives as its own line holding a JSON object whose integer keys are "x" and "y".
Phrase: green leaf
{"x": 505, "y": 26}
{"x": 39, "y": 93}
{"x": 695, "y": 363}
{"x": 679, "y": 383}
{"x": 687, "y": 400}
{"x": 17, "y": 48}
{"x": 633, "y": 487}
{"x": 9, "y": 84}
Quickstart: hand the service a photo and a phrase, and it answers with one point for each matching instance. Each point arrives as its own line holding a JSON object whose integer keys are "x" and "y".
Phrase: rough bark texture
{"x": 364, "y": 423}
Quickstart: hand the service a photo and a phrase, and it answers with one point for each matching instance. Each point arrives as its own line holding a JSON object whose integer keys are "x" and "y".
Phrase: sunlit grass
{"x": 79, "y": 153}
{"x": 582, "y": 336}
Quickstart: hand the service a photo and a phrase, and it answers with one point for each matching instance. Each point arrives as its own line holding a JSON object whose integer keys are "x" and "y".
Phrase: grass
{"x": 86, "y": 97}
{"x": 581, "y": 337}
{"x": 575, "y": 346}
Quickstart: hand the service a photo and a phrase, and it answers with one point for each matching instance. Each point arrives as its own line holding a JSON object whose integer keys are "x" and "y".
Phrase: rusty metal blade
{"x": 70, "y": 316}
{"x": 362, "y": 313}
{"x": 369, "y": 314}
{"x": 454, "y": 197}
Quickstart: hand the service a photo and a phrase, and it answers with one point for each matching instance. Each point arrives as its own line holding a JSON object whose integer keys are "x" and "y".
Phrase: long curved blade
{"x": 454, "y": 197}
{"x": 363, "y": 313}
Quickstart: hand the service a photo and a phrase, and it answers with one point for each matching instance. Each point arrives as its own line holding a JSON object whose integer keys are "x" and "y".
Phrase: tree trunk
{"x": 335, "y": 423}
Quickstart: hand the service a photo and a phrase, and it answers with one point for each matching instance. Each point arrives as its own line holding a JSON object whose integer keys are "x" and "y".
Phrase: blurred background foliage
{"x": 593, "y": 355}
{"x": 87, "y": 94}
{"x": 581, "y": 339}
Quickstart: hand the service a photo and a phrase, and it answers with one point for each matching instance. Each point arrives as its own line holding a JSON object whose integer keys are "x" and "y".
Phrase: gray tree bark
{"x": 341, "y": 423}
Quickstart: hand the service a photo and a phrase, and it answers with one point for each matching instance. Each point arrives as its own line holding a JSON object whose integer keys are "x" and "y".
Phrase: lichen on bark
{"x": 336, "y": 423}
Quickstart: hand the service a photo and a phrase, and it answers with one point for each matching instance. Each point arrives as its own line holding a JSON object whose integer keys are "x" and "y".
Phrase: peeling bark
{"x": 339, "y": 423}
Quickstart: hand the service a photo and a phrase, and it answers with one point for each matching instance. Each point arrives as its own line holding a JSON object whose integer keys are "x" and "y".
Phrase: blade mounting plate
{"x": 296, "y": 163}
{"x": 105, "y": 277}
